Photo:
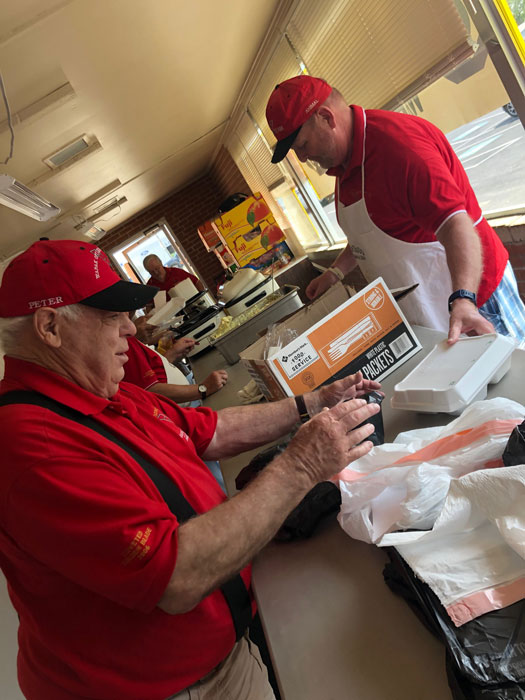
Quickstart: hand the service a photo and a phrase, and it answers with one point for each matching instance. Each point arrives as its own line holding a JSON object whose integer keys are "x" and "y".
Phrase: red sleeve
{"x": 144, "y": 367}
{"x": 433, "y": 194}
{"x": 93, "y": 521}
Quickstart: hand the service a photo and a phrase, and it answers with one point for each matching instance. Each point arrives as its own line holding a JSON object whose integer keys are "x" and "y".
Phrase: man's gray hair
{"x": 12, "y": 329}
{"x": 149, "y": 257}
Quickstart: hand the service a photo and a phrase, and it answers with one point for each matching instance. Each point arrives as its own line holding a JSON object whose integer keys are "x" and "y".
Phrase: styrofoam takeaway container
{"x": 450, "y": 378}
{"x": 230, "y": 344}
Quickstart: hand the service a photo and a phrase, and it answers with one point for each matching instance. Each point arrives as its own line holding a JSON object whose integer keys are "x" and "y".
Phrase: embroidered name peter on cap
{"x": 59, "y": 273}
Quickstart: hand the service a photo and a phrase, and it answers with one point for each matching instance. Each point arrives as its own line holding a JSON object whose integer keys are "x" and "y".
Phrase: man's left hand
{"x": 465, "y": 318}
{"x": 350, "y": 387}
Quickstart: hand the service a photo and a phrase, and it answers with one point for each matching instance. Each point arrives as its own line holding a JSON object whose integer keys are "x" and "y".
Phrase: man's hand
{"x": 321, "y": 284}
{"x": 215, "y": 381}
{"x": 350, "y": 387}
{"x": 330, "y": 441}
{"x": 179, "y": 349}
{"x": 465, "y": 318}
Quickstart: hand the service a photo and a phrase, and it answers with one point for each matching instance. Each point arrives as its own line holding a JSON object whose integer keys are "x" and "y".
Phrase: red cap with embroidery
{"x": 59, "y": 273}
{"x": 290, "y": 105}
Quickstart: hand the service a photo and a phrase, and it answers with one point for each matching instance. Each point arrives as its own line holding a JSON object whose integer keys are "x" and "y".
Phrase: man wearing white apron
{"x": 407, "y": 208}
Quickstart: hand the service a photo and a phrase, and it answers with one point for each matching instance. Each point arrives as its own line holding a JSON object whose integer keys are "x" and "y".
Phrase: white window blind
{"x": 253, "y": 158}
{"x": 379, "y": 53}
{"x": 283, "y": 64}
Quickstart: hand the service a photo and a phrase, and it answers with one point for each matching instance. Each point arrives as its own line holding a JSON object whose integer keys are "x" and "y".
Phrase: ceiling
{"x": 154, "y": 82}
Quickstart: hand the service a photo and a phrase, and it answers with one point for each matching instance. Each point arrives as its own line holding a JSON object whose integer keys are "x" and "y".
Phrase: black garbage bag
{"x": 485, "y": 658}
{"x": 515, "y": 450}
{"x": 323, "y": 499}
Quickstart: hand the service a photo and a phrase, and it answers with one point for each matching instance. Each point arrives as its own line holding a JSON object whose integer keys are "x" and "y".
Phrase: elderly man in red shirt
{"x": 128, "y": 566}
{"x": 406, "y": 206}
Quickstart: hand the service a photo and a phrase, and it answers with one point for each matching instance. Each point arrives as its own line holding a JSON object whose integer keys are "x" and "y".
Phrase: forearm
{"x": 463, "y": 250}
{"x": 240, "y": 428}
{"x": 179, "y": 393}
{"x": 214, "y": 546}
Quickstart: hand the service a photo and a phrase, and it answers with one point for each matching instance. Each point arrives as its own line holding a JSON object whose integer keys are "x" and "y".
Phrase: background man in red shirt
{"x": 165, "y": 278}
{"x": 118, "y": 594}
{"x": 406, "y": 205}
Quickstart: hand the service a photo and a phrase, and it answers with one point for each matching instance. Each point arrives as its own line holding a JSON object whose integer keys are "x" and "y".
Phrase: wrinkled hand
{"x": 350, "y": 387}
{"x": 330, "y": 440}
{"x": 215, "y": 381}
{"x": 321, "y": 284}
{"x": 465, "y": 318}
{"x": 179, "y": 349}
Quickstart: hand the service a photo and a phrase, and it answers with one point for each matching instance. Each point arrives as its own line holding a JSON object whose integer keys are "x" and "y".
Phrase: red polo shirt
{"x": 174, "y": 275}
{"x": 88, "y": 545}
{"x": 144, "y": 367}
{"x": 413, "y": 183}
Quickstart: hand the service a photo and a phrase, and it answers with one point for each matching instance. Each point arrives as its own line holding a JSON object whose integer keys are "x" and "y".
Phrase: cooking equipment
{"x": 199, "y": 323}
{"x": 231, "y": 343}
{"x": 245, "y": 289}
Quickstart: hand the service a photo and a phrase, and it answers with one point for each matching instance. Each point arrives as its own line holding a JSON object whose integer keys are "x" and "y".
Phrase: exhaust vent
{"x": 67, "y": 152}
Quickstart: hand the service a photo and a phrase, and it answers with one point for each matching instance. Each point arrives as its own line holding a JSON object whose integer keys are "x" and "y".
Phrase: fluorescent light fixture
{"x": 15, "y": 195}
{"x": 105, "y": 208}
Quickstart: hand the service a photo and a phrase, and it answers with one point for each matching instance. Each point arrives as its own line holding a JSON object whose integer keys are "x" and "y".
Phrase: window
{"x": 156, "y": 240}
{"x": 377, "y": 53}
{"x": 470, "y": 105}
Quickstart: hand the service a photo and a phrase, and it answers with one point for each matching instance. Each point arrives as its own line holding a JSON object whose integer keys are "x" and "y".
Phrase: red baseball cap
{"x": 59, "y": 273}
{"x": 290, "y": 105}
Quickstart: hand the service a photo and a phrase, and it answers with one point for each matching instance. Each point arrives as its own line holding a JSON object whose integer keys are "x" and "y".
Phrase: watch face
{"x": 202, "y": 387}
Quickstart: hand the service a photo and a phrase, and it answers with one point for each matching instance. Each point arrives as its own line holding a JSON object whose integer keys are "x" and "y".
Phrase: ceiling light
{"x": 15, "y": 195}
{"x": 107, "y": 207}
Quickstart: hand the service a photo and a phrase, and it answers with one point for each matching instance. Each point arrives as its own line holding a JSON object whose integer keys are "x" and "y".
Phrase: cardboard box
{"x": 337, "y": 335}
{"x": 251, "y": 233}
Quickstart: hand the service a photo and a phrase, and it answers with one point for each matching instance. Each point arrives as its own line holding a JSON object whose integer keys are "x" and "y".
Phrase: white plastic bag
{"x": 403, "y": 485}
{"x": 458, "y": 521}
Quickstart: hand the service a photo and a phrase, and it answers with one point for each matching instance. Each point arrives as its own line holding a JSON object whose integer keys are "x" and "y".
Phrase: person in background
{"x": 170, "y": 368}
{"x": 155, "y": 372}
{"x": 117, "y": 595}
{"x": 406, "y": 206}
{"x": 164, "y": 278}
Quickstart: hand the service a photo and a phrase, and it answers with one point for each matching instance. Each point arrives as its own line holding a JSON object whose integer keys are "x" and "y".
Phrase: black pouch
{"x": 323, "y": 499}
{"x": 515, "y": 449}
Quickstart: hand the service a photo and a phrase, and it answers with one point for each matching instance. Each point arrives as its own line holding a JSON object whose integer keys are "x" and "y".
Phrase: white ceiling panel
{"x": 154, "y": 82}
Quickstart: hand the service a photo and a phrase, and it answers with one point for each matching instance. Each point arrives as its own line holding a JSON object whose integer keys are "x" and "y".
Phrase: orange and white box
{"x": 337, "y": 335}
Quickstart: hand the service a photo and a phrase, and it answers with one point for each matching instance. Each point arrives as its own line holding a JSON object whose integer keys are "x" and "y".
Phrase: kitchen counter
{"x": 335, "y": 631}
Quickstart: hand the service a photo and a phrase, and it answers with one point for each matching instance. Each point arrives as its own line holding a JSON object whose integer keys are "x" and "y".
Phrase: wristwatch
{"x": 461, "y": 294}
{"x": 202, "y": 391}
{"x": 337, "y": 272}
{"x": 304, "y": 416}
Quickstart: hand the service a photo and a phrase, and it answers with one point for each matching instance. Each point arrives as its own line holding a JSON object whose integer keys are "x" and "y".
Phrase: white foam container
{"x": 450, "y": 378}
{"x": 167, "y": 312}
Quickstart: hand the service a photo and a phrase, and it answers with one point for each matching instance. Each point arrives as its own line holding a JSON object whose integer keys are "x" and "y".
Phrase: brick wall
{"x": 227, "y": 175}
{"x": 184, "y": 211}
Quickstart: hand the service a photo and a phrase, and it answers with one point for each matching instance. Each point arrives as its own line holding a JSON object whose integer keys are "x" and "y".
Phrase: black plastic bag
{"x": 515, "y": 450}
{"x": 323, "y": 499}
{"x": 485, "y": 658}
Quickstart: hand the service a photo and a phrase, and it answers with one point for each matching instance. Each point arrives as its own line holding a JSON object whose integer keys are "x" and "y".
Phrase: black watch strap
{"x": 301, "y": 408}
{"x": 461, "y": 294}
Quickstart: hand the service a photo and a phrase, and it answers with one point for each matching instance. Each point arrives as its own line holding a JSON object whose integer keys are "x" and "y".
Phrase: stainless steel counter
{"x": 334, "y": 629}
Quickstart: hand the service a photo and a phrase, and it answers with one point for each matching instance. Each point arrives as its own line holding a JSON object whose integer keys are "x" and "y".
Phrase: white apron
{"x": 399, "y": 263}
